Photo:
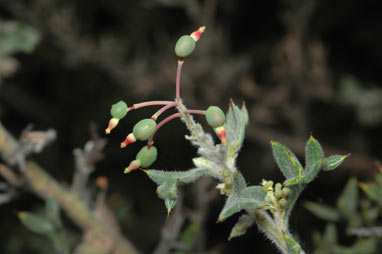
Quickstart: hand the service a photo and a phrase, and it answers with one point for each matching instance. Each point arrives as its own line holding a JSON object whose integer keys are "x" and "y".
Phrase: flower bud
{"x": 144, "y": 129}
{"x": 215, "y": 116}
{"x": 119, "y": 110}
{"x": 286, "y": 192}
{"x": 185, "y": 46}
{"x": 112, "y": 124}
{"x": 220, "y": 131}
{"x": 278, "y": 194}
{"x": 283, "y": 203}
{"x": 278, "y": 186}
{"x": 128, "y": 140}
{"x": 135, "y": 164}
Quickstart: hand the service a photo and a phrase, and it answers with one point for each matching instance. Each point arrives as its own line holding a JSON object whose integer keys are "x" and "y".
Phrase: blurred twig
{"x": 171, "y": 229}
{"x": 85, "y": 160}
{"x": 45, "y": 186}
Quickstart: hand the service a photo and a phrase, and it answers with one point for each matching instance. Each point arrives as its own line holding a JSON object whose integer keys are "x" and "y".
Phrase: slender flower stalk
{"x": 178, "y": 74}
{"x": 148, "y": 103}
{"x": 172, "y": 117}
{"x": 163, "y": 109}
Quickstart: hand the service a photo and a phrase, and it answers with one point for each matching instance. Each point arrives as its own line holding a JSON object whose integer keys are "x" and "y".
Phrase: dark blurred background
{"x": 300, "y": 66}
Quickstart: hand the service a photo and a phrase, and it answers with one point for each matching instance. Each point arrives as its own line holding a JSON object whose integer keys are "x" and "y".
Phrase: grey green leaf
{"x": 288, "y": 163}
{"x": 323, "y": 211}
{"x": 333, "y": 162}
{"x": 36, "y": 223}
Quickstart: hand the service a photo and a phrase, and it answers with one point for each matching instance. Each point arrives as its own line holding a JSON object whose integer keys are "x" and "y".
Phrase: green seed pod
{"x": 144, "y": 129}
{"x": 215, "y": 116}
{"x": 147, "y": 156}
{"x": 185, "y": 46}
{"x": 283, "y": 202}
{"x": 119, "y": 110}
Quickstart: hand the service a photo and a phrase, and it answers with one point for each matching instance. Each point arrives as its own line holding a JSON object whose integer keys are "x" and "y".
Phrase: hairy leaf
{"x": 168, "y": 183}
{"x": 236, "y": 121}
{"x": 333, "y": 162}
{"x": 249, "y": 197}
{"x": 288, "y": 163}
{"x": 245, "y": 221}
{"x": 313, "y": 152}
{"x": 312, "y": 171}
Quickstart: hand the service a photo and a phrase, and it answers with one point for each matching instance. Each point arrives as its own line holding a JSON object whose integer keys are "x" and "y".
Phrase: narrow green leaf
{"x": 52, "y": 211}
{"x": 333, "y": 161}
{"x": 323, "y": 211}
{"x": 190, "y": 235}
{"x": 313, "y": 152}
{"x": 236, "y": 121}
{"x": 245, "y": 221}
{"x": 347, "y": 202}
{"x": 330, "y": 235}
{"x": 364, "y": 246}
{"x": 288, "y": 163}
{"x": 36, "y": 223}
{"x": 373, "y": 191}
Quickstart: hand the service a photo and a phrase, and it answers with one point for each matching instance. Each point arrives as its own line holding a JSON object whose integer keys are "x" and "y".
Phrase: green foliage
{"x": 267, "y": 206}
{"x": 327, "y": 242}
{"x": 323, "y": 211}
{"x": 243, "y": 197}
{"x": 169, "y": 182}
{"x": 188, "y": 239}
{"x": 236, "y": 121}
{"x": 48, "y": 224}
{"x": 17, "y": 37}
{"x": 35, "y": 223}
{"x": 292, "y": 246}
{"x": 288, "y": 163}
{"x": 333, "y": 161}
{"x": 361, "y": 217}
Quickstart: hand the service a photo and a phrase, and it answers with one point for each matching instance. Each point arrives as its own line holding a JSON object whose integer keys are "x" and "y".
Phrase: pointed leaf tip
{"x": 333, "y": 161}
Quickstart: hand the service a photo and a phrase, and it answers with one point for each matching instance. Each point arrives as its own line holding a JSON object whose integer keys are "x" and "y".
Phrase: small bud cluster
{"x": 277, "y": 196}
{"x": 145, "y": 129}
